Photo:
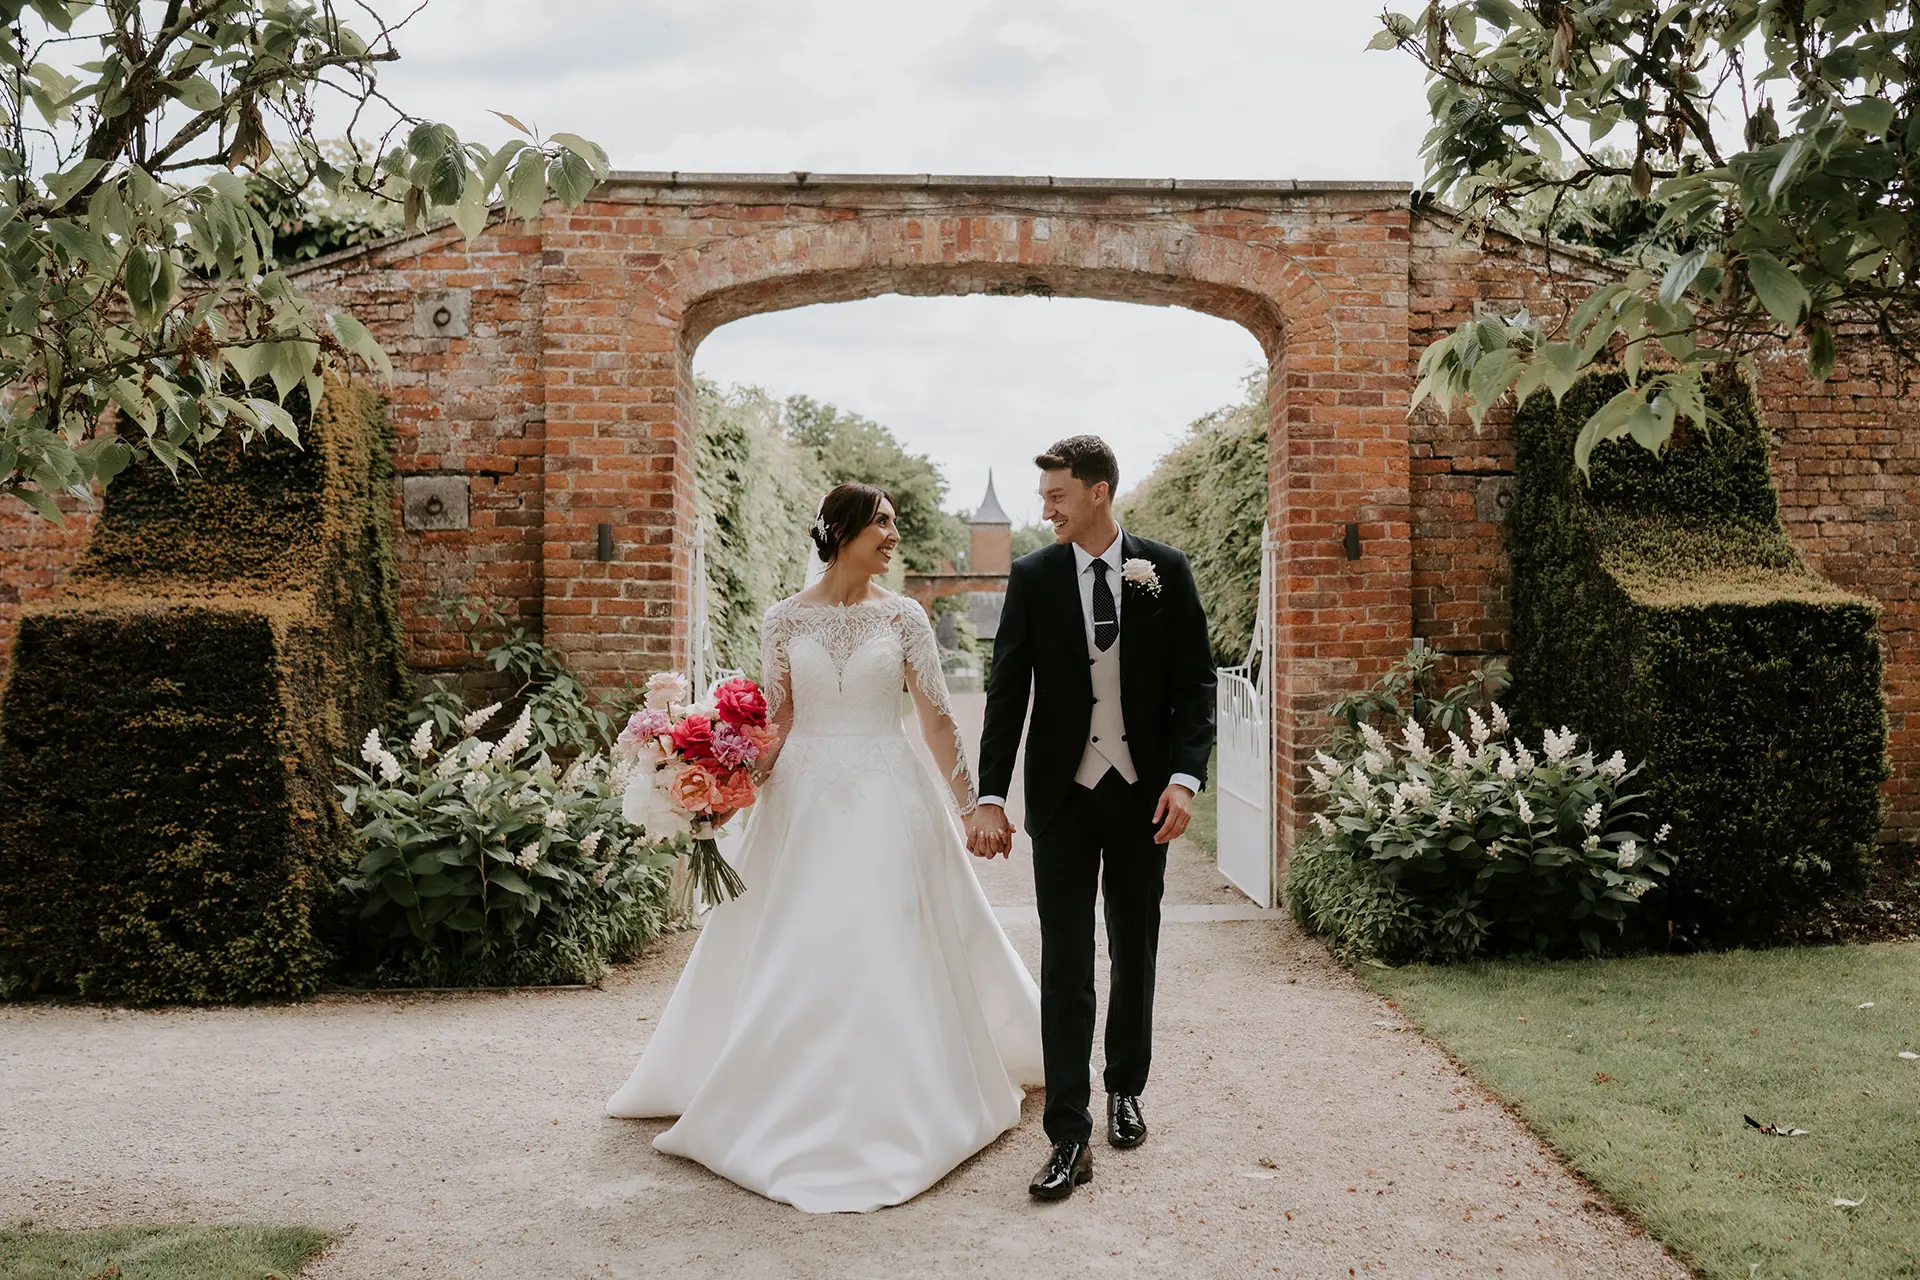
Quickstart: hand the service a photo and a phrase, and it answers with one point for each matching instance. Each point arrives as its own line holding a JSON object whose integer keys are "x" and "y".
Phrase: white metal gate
{"x": 703, "y": 669}
{"x": 1244, "y": 722}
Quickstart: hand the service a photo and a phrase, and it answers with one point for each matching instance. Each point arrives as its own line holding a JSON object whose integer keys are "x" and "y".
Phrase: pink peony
{"x": 693, "y": 739}
{"x": 741, "y": 702}
{"x": 693, "y": 789}
{"x": 732, "y": 748}
{"x": 642, "y": 725}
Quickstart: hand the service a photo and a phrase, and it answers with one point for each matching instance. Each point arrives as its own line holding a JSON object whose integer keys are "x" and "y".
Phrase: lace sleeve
{"x": 935, "y": 708}
{"x": 776, "y": 681}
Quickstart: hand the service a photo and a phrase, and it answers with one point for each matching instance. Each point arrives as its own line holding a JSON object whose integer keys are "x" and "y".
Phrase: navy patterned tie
{"x": 1106, "y": 623}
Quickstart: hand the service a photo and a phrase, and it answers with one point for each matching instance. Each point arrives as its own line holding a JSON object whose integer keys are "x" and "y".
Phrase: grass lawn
{"x": 1638, "y": 1072}
{"x": 1204, "y": 827}
{"x": 241, "y": 1252}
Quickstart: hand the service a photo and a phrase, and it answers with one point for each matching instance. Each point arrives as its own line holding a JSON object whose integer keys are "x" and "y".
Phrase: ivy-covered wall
{"x": 167, "y": 825}
{"x": 1660, "y": 608}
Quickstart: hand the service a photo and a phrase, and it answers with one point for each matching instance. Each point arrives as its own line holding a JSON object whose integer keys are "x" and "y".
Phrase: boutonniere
{"x": 1141, "y": 574}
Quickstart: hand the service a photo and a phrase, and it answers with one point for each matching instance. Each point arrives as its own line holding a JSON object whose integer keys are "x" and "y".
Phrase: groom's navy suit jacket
{"x": 1166, "y": 678}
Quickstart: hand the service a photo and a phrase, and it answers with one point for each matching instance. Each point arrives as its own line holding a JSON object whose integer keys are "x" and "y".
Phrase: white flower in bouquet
{"x": 1477, "y": 728}
{"x": 370, "y": 748}
{"x": 422, "y": 743}
{"x": 1500, "y": 724}
{"x": 471, "y": 724}
{"x": 666, "y": 690}
{"x": 648, "y": 807}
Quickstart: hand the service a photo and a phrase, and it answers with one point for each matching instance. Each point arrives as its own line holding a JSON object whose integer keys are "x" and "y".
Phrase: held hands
{"x": 989, "y": 834}
{"x": 1173, "y": 813}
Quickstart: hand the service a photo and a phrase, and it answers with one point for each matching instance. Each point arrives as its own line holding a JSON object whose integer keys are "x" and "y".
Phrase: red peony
{"x": 693, "y": 739}
{"x": 741, "y": 703}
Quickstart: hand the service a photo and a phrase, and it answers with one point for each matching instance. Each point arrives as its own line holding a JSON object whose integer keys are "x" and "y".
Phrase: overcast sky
{"x": 1208, "y": 89}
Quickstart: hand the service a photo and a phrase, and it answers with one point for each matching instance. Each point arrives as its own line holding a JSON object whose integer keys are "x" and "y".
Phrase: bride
{"x": 855, "y": 1024}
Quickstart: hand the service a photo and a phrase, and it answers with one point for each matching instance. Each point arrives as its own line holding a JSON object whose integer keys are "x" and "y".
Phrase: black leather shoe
{"x": 1070, "y": 1165}
{"x": 1126, "y": 1127}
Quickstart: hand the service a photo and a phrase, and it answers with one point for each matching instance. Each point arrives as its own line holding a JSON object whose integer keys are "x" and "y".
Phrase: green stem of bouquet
{"x": 709, "y": 876}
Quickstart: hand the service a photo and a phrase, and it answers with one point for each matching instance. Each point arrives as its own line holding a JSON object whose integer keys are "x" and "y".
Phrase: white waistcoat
{"x": 1107, "y": 737}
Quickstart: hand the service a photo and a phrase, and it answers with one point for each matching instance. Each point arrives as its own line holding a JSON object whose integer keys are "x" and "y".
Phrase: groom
{"x": 1107, "y": 630}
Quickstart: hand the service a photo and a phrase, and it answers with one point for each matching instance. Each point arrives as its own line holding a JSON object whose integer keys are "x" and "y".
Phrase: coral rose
{"x": 693, "y": 790}
{"x": 693, "y": 739}
{"x": 734, "y": 792}
{"x": 741, "y": 703}
{"x": 762, "y": 736}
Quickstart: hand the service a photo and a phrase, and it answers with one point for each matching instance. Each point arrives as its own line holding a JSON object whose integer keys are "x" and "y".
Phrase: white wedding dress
{"x": 856, "y": 1023}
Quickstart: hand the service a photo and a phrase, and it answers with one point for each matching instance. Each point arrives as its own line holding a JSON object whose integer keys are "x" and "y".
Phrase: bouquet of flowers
{"x": 690, "y": 770}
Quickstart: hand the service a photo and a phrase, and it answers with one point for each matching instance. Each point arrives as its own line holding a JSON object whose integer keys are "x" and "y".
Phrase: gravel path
{"x": 1298, "y": 1129}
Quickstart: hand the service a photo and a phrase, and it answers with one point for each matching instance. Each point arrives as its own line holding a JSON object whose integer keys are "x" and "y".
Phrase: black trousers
{"x": 1103, "y": 837}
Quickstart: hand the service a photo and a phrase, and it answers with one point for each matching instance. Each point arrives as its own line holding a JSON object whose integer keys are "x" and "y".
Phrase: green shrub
{"x": 1660, "y": 608}
{"x": 505, "y": 862}
{"x": 167, "y": 829}
{"x": 1208, "y": 497}
{"x": 1440, "y": 855}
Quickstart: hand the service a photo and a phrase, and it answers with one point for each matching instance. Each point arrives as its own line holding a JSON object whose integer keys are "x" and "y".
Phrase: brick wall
{"x": 547, "y": 370}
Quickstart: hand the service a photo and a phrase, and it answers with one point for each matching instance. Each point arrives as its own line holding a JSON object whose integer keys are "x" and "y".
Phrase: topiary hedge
{"x": 1660, "y": 608}
{"x": 167, "y": 825}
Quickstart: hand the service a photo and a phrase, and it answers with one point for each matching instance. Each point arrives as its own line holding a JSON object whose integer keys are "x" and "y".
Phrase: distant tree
{"x": 1028, "y": 538}
{"x": 140, "y": 275}
{"x": 1208, "y": 497}
{"x": 850, "y": 447}
{"x": 1794, "y": 219}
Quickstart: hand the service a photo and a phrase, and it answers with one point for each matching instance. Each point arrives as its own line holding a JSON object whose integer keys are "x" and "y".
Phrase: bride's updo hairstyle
{"x": 845, "y": 512}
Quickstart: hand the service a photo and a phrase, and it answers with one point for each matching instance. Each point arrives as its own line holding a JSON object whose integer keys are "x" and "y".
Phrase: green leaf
{"x": 292, "y": 361}
{"x": 63, "y": 185}
{"x": 1680, "y": 275}
{"x": 1820, "y": 353}
{"x": 527, "y": 190}
{"x": 354, "y": 337}
{"x": 252, "y": 362}
{"x": 1609, "y": 421}
{"x": 470, "y": 215}
{"x": 511, "y": 880}
{"x": 197, "y": 92}
{"x": 1383, "y": 39}
{"x": 591, "y": 152}
{"x": 1778, "y": 289}
{"x": 1871, "y": 116}
{"x": 571, "y": 177}
{"x": 510, "y": 120}
{"x": 39, "y": 502}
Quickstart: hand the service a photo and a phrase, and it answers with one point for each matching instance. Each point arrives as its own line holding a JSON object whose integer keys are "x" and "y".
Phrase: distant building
{"x": 990, "y": 552}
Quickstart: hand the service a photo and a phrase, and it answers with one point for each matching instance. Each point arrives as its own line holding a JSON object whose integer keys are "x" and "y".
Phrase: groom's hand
{"x": 989, "y": 834}
{"x": 1173, "y": 813}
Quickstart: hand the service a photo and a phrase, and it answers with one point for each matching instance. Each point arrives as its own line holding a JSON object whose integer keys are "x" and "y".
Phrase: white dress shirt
{"x": 1082, "y": 562}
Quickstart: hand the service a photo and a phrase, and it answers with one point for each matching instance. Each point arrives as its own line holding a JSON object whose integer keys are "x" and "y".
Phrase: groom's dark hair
{"x": 1087, "y": 457}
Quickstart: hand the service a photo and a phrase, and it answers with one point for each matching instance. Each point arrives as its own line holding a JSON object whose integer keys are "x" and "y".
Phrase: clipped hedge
{"x": 167, "y": 828}
{"x": 1660, "y": 608}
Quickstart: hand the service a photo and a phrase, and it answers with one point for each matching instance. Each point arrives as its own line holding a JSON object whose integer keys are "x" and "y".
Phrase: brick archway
{"x": 1317, "y": 275}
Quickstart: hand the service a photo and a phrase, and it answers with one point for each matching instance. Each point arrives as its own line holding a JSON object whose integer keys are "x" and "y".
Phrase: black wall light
{"x": 603, "y": 539}
{"x": 1352, "y": 542}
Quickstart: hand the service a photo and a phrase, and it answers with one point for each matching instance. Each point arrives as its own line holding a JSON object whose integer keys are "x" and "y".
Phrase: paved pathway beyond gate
{"x": 1298, "y": 1129}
